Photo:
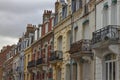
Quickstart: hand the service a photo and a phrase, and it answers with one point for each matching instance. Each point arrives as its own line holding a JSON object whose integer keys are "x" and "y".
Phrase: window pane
{"x": 114, "y": 71}
{"x": 110, "y": 71}
{"x": 106, "y": 71}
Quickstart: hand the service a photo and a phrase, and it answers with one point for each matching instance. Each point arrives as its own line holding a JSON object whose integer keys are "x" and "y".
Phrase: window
{"x": 74, "y": 71}
{"x": 28, "y": 57}
{"x": 113, "y": 14}
{"x": 52, "y": 22}
{"x": 73, "y": 5}
{"x": 110, "y": 67}
{"x": 46, "y": 53}
{"x": 105, "y": 15}
{"x": 86, "y": 71}
{"x": 87, "y": 1}
{"x": 86, "y": 31}
{"x": 76, "y": 4}
{"x": 64, "y": 11}
{"x": 68, "y": 72}
{"x": 59, "y": 74}
{"x": 56, "y": 19}
{"x": 68, "y": 39}
{"x": 46, "y": 28}
{"x": 75, "y": 33}
{"x": 60, "y": 43}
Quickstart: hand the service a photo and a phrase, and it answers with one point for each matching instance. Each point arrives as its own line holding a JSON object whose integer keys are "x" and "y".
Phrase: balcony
{"x": 31, "y": 64}
{"x": 106, "y": 36}
{"x": 80, "y": 48}
{"x": 56, "y": 56}
{"x": 39, "y": 61}
{"x": 42, "y": 62}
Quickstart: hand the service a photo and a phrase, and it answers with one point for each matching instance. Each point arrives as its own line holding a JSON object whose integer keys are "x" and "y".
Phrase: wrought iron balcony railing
{"x": 83, "y": 45}
{"x": 110, "y": 32}
{"x": 39, "y": 61}
{"x": 31, "y": 64}
{"x": 56, "y": 55}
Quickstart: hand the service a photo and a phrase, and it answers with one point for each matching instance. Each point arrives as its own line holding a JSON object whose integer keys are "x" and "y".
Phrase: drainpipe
{"x": 70, "y": 44}
{"x": 94, "y": 58}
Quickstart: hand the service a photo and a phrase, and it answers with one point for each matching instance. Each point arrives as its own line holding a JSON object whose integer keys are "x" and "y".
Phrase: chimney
{"x": 46, "y": 14}
{"x": 29, "y": 29}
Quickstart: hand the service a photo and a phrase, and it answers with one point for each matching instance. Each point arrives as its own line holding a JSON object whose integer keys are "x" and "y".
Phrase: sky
{"x": 16, "y": 14}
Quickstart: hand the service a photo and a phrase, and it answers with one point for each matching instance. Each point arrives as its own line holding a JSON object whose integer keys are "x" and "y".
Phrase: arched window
{"x": 110, "y": 67}
{"x": 68, "y": 39}
{"x": 60, "y": 43}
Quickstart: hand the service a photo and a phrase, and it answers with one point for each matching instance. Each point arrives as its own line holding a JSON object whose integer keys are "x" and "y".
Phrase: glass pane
{"x": 114, "y": 71}
{"x": 106, "y": 71}
{"x": 110, "y": 71}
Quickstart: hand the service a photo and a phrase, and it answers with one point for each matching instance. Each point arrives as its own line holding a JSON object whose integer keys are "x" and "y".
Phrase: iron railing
{"x": 109, "y": 32}
{"x": 56, "y": 55}
{"x": 31, "y": 64}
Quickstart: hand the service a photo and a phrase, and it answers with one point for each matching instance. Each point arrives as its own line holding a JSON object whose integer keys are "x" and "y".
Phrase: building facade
{"x": 62, "y": 35}
{"x": 105, "y": 41}
{"x": 83, "y": 24}
{"x": 29, "y": 36}
{"x": 4, "y": 51}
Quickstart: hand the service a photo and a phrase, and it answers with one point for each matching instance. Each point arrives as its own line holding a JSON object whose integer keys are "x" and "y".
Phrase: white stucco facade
{"x": 107, "y": 13}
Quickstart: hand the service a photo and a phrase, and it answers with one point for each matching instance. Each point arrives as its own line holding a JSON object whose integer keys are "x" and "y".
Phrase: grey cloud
{"x": 15, "y": 14}
{"x": 22, "y": 6}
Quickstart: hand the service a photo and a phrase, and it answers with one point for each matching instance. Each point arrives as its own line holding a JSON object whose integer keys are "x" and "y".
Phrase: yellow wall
{"x": 27, "y": 74}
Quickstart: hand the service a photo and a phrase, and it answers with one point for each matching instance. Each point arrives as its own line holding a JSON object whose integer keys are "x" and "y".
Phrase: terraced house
{"x": 83, "y": 24}
{"x": 79, "y": 41}
{"x": 62, "y": 35}
{"x": 106, "y": 40}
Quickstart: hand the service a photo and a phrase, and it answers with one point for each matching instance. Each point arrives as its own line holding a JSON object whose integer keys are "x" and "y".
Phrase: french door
{"x": 110, "y": 70}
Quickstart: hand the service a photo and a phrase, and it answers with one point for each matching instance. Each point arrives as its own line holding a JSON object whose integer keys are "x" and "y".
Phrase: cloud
{"x": 7, "y": 41}
{"x": 16, "y": 14}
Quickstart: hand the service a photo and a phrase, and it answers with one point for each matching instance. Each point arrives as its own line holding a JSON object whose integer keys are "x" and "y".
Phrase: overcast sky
{"x": 16, "y": 14}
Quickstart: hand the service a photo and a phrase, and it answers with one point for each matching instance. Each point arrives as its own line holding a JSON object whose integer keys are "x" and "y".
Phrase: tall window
{"x": 113, "y": 14}
{"x": 46, "y": 53}
{"x": 73, "y": 5}
{"x": 59, "y": 74}
{"x": 74, "y": 73}
{"x": 105, "y": 15}
{"x": 75, "y": 33}
{"x": 86, "y": 31}
{"x": 76, "y": 4}
{"x": 110, "y": 65}
{"x": 60, "y": 43}
{"x": 86, "y": 71}
{"x": 56, "y": 19}
{"x": 87, "y": 1}
{"x": 68, "y": 39}
{"x": 28, "y": 57}
{"x": 64, "y": 11}
{"x": 68, "y": 72}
